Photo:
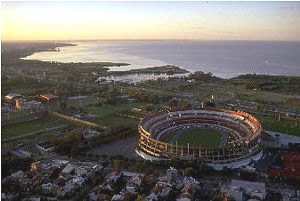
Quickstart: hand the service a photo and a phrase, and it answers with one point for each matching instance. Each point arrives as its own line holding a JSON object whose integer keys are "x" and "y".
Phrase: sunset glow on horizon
{"x": 150, "y": 20}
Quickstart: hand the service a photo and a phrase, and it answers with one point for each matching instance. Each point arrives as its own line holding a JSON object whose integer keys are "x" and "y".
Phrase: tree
{"x": 83, "y": 194}
{"x": 171, "y": 196}
{"x": 185, "y": 105}
{"x": 140, "y": 198}
{"x": 117, "y": 165}
{"x": 38, "y": 190}
{"x": 99, "y": 179}
{"x": 138, "y": 166}
{"x": 67, "y": 144}
{"x": 111, "y": 100}
{"x": 11, "y": 164}
{"x": 215, "y": 194}
{"x": 188, "y": 171}
{"x": 63, "y": 106}
{"x": 173, "y": 103}
{"x": 211, "y": 104}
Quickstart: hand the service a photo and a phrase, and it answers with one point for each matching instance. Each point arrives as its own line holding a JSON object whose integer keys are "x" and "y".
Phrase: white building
{"x": 60, "y": 163}
{"x": 238, "y": 188}
{"x": 11, "y": 96}
{"x": 46, "y": 188}
{"x": 172, "y": 174}
{"x": 192, "y": 181}
{"x": 20, "y": 153}
{"x": 68, "y": 169}
{"x": 45, "y": 147}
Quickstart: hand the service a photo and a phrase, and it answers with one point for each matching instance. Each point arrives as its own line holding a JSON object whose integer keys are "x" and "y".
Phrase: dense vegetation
{"x": 13, "y": 50}
{"x": 278, "y": 84}
{"x": 168, "y": 69}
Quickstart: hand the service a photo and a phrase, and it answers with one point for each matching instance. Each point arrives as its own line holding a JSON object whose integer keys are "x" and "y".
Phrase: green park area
{"x": 30, "y": 126}
{"x": 291, "y": 127}
{"x": 203, "y": 137}
{"x": 116, "y": 122}
{"x": 110, "y": 115}
{"x": 107, "y": 110}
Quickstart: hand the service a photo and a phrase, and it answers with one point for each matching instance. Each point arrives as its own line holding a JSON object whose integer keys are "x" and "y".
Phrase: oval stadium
{"x": 220, "y": 138}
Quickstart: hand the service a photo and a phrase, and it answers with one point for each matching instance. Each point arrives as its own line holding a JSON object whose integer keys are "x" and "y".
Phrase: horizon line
{"x": 44, "y": 40}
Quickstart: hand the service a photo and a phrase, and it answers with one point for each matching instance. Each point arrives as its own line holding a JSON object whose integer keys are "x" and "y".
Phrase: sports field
{"x": 196, "y": 136}
{"x": 289, "y": 127}
{"x": 30, "y": 126}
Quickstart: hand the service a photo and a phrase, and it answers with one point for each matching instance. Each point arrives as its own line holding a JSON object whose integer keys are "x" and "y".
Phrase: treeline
{"x": 74, "y": 144}
{"x": 282, "y": 84}
{"x": 201, "y": 76}
{"x": 33, "y": 86}
{"x": 12, "y": 50}
{"x": 10, "y": 164}
{"x": 149, "y": 97}
{"x": 168, "y": 69}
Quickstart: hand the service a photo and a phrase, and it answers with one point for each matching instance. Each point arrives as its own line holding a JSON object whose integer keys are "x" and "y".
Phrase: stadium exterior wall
{"x": 244, "y": 148}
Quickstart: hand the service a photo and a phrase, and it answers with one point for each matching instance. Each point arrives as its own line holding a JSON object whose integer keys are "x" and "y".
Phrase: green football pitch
{"x": 195, "y": 136}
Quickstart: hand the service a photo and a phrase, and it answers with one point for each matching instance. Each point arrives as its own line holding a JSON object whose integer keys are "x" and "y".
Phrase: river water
{"x": 224, "y": 59}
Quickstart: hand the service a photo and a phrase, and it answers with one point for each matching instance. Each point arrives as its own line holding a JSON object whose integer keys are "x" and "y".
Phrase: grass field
{"x": 108, "y": 117}
{"x": 168, "y": 136}
{"x": 14, "y": 115}
{"x": 30, "y": 126}
{"x": 204, "y": 137}
{"x": 107, "y": 110}
{"x": 283, "y": 126}
{"x": 115, "y": 121}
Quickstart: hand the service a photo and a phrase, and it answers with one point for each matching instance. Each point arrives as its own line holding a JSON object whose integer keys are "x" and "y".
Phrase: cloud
{"x": 287, "y": 8}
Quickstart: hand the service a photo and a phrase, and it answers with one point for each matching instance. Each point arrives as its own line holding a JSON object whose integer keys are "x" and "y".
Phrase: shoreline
{"x": 28, "y": 51}
{"x": 106, "y": 71}
{"x": 166, "y": 69}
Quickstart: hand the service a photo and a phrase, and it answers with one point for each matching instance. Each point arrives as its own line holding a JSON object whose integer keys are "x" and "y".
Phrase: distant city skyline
{"x": 150, "y": 20}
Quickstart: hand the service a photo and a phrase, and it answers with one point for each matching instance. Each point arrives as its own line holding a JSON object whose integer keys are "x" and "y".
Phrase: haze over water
{"x": 224, "y": 59}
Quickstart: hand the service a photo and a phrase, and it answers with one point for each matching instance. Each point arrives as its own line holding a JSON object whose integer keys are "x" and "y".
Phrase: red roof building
{"x": 48, "y": 97}
{"x": 291, "y": 160}
{"x": 291, "y": 166}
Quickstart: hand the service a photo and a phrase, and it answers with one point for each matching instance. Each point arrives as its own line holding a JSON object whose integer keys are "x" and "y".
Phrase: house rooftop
{"x": 11, "y": 95}
{"x": 248, "y": 185}
{"x": 48, "y": 96}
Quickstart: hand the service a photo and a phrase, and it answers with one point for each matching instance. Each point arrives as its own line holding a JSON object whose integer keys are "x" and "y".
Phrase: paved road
{"x": 284, "y": 139}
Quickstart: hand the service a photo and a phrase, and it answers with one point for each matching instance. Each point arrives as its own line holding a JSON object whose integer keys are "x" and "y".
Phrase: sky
{"x": 150, "y": 20}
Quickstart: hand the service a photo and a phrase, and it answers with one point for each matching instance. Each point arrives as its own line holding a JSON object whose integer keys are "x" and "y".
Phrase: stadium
{"x": 220, "y": 138}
